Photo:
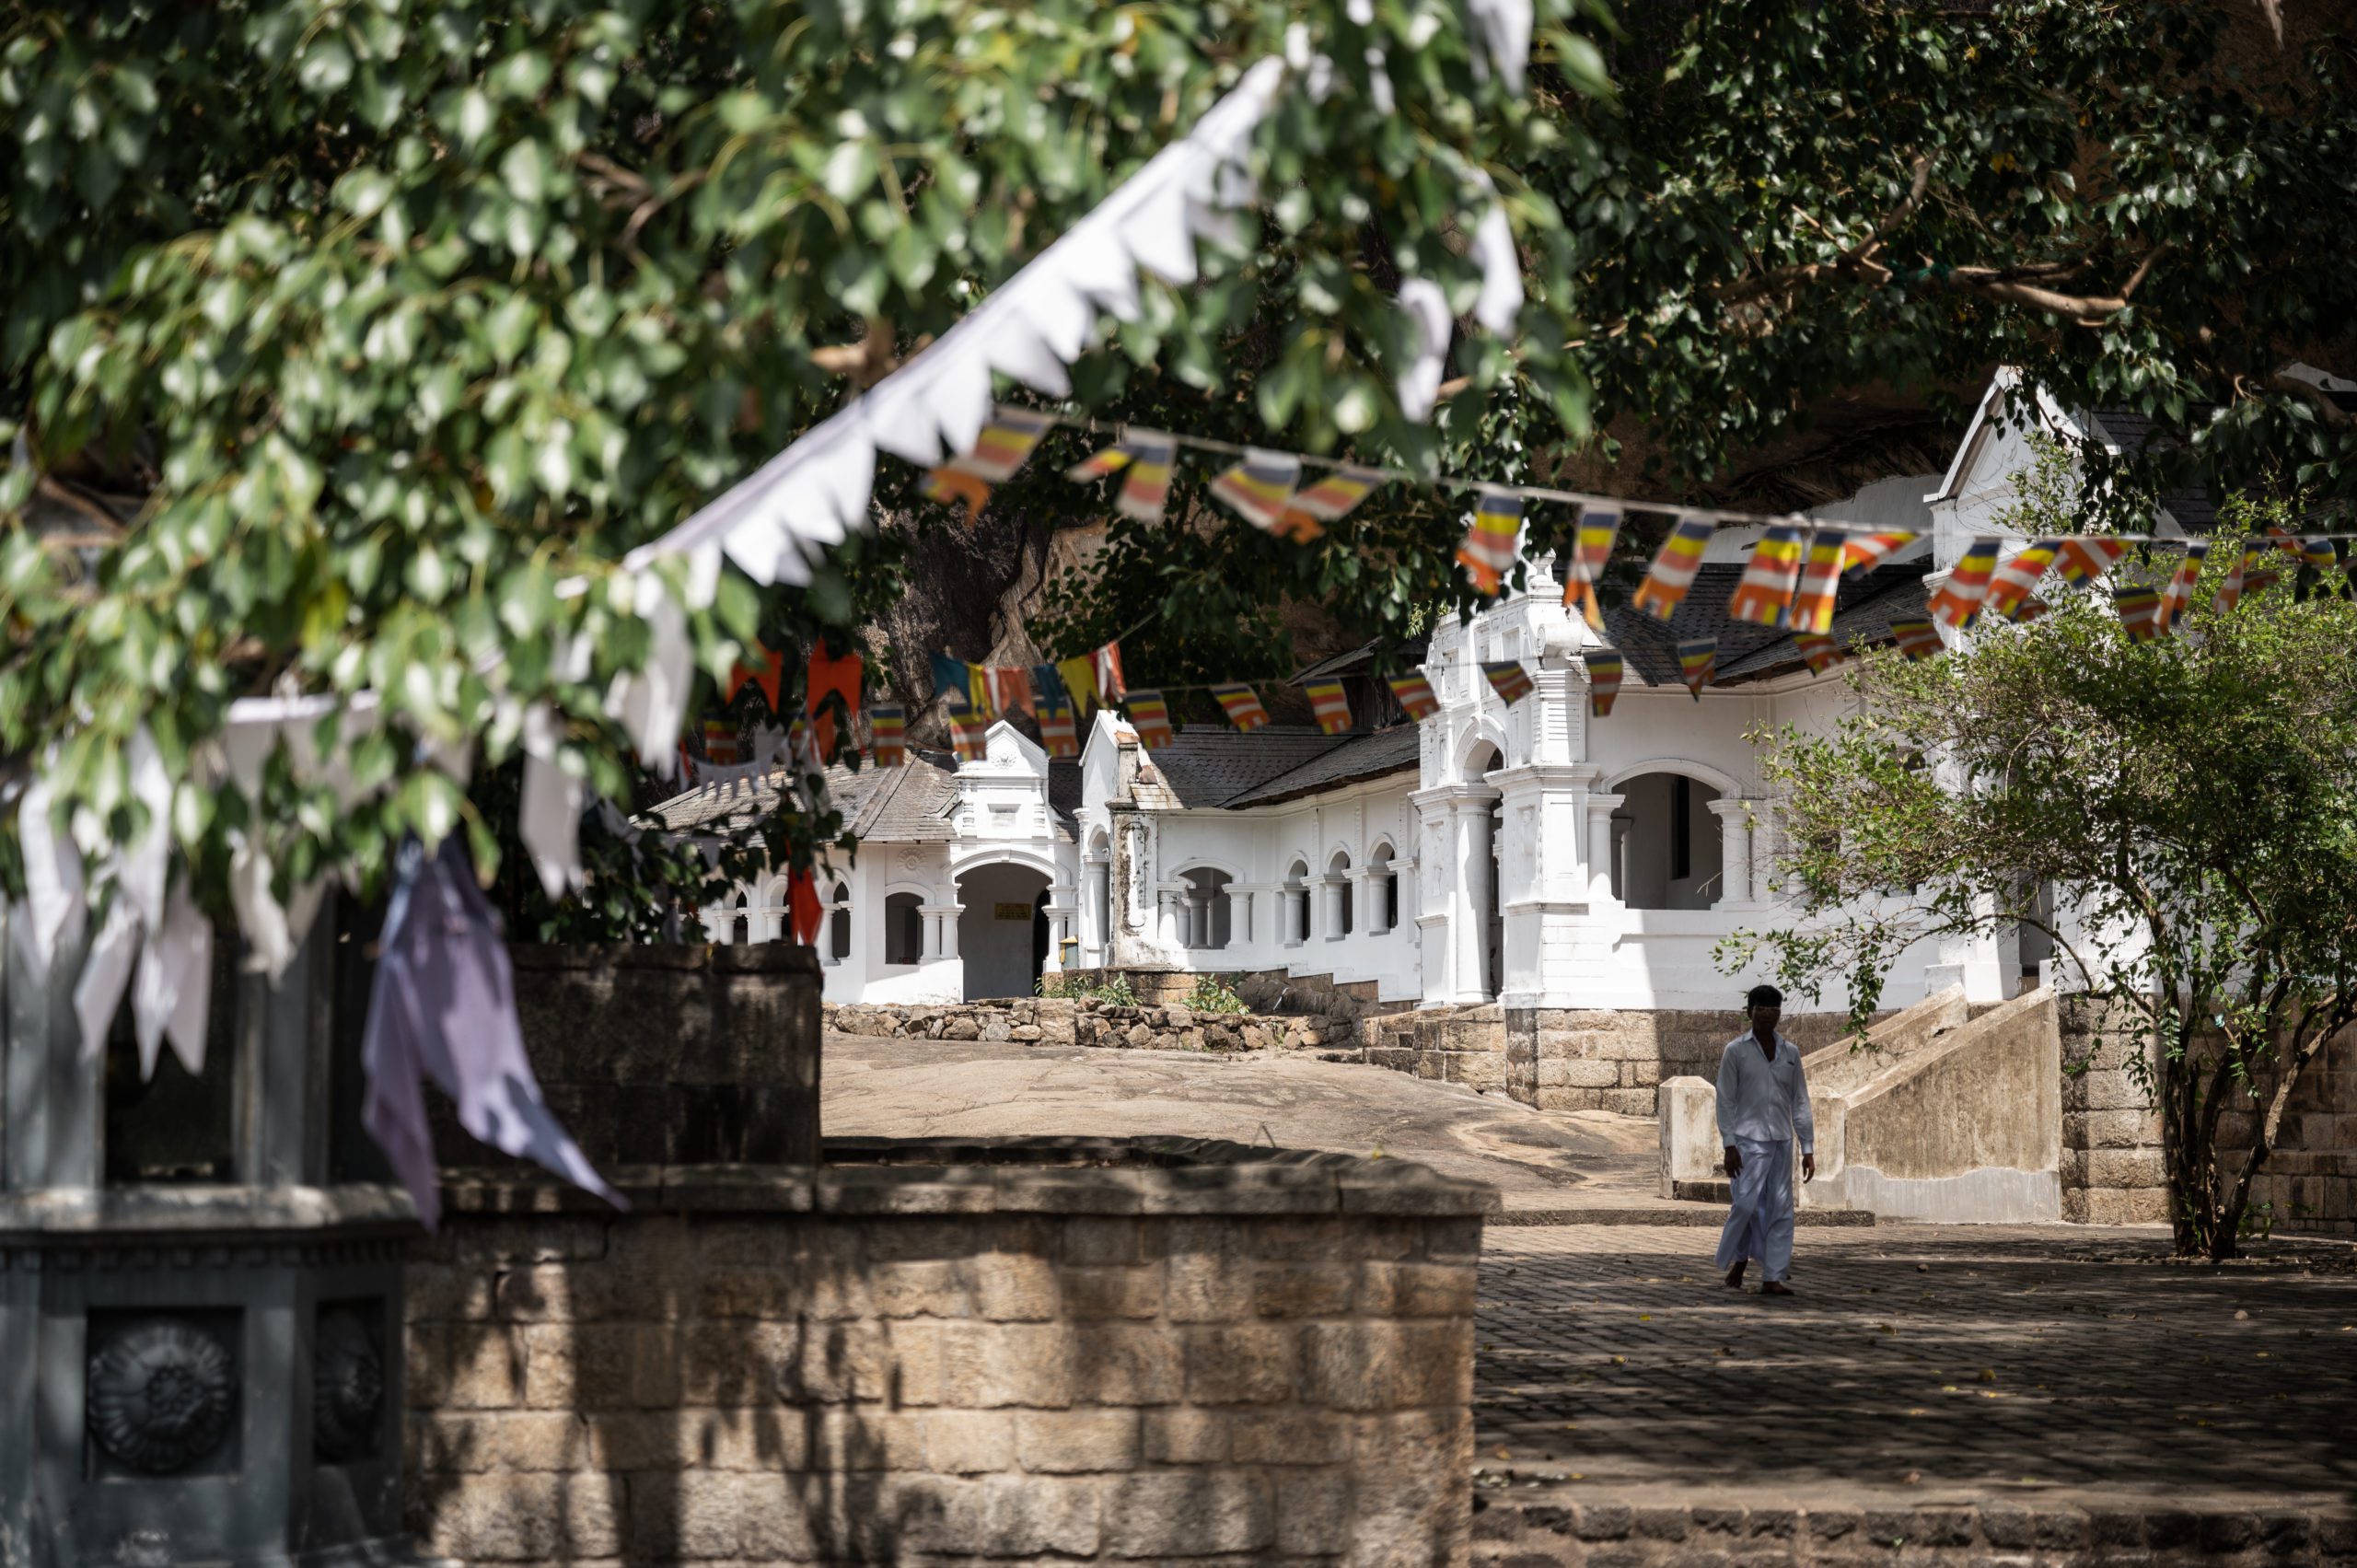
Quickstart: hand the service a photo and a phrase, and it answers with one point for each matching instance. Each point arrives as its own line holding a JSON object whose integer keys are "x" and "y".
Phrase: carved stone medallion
{"x": 161, "y": 1397}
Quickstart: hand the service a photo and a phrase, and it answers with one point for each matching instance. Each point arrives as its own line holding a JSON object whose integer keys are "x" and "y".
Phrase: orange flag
{"x": 830, "y": 677}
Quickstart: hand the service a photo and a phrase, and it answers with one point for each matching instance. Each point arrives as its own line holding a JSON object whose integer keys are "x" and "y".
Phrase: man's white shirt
{"x": 1763, "y": 1101}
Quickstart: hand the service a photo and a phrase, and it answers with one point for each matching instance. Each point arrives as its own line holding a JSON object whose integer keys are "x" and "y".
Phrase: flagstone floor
{"x": 1919, "y": 1361}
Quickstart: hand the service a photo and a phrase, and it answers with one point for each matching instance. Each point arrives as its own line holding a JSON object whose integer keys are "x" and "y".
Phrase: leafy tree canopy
{"x": 2179, "y": 816}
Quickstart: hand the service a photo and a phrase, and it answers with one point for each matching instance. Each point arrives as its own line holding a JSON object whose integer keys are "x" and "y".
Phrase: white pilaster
{"x": 1734, "y": 853}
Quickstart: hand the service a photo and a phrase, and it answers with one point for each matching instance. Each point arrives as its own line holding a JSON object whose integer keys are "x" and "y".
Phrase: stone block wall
{"x": 1051, "y": 1351}
{"x": 1082, "y": 1021}
{"x": 2309, "y": 1183}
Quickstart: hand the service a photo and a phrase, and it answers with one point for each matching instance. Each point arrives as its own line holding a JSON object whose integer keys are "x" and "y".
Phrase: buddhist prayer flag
{"x": 1604, "y": 668}
{"x": 1108, "y": 672}
{"x": 888, "y": 726}
{"x": 1242, "y": 705}
{"x": 2316, "y": 552}
{"x": 1146, "y": 487}
{"x": 1864, "y": 551}
{"x": 1259, "y": 486}
{"x": 1698, "y": 660}
{"x": 1958, "y": 604}
{"x": 1010, "y": 687}
{"x": 2140, "y": 612}
{"x": 1048, "y": 688}
{"x": 2246, "y": 576}
{"x": 1330, "y": 499}
{"x": 1673, "y": 570}
{"x": 997, "y": 452}
{"x": 1591, "y": 545}
{"x": 1079, "y": 679}
{"x": 1918, "y": 639}
{"x": 826, "y": 676}
{"x": 968, "y": 735}
{"x": 2177, "y": 597}
{"x": 2086, "y": 557}
{"x": 804, "y": 914}
{"x": 1764, "y": 594}
{"x": 2284, "y": 541}
{"x": 1150, "y": 717}
{"x": 1820, "y": 582}
{"x": 719, "y": 742}
{"x": 1591, "y": 612}
{"x": 1057, "y": 730}
{"x": 953, "y": 678}
{"x": 769, "y": 675}
{"x": 1821, "y": 652}
{"x": 1332, "y": 704}
{"x": 1415, "y": 695}
{"x": 1487, "y": 554}
{"x": 2009, "y": 589}
{"x": 1508, "y": 679}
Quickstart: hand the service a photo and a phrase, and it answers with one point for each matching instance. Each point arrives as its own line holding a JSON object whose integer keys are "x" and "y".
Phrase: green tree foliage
{"x": 2180, "y": 816}
{"x": 341, "y": 337}
{"x": 1784, "y": 204}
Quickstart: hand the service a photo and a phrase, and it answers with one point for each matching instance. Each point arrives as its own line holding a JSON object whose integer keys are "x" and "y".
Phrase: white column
{"x": 1371, "y": 902}
{"x": 1472, "y": 891}
{"x": 1600, "y": 808}
{"x": 1734, "y": 853}
{"x": 1096, "y": 916}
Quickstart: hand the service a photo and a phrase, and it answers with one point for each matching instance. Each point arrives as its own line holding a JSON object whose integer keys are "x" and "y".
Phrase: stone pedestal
{"x": 201, "y": 1299}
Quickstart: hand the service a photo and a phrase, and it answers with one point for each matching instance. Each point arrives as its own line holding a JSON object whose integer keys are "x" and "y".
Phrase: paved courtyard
{"x": 1926, "y": 1361}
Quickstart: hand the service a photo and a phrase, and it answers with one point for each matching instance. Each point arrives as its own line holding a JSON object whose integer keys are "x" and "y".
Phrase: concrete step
{"x": 1662, "y": 1213}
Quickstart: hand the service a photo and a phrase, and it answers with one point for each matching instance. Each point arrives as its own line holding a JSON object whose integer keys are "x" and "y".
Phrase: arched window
{"x": 1208, "y": 912}
{"x": 1667, "y": 843}
{"x": 903, "y": 929}
{"x": 1295, "y": 894}
{"x": 1339, "y": 900}
{"x": 741, "y": 920}
{"x": 1382, "y": 891}
{"x": 839, "y": 925}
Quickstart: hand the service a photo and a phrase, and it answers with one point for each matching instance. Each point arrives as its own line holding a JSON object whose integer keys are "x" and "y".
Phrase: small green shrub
{"x": 1114, "y": 992}
{"x": 1212, "y": 994}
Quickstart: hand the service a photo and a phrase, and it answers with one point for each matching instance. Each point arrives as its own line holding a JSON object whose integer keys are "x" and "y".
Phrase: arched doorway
{"x": 1669, "y": 853}
{"x": 1207, "y": 915}
{"x": 1002, "y": 936}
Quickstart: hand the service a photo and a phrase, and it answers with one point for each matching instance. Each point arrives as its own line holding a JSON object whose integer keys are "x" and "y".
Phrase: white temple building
{"x": 1528, "y": 855}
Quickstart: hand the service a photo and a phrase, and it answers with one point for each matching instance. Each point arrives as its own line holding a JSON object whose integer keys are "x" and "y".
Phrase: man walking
{"x": 1763, "y": 1106}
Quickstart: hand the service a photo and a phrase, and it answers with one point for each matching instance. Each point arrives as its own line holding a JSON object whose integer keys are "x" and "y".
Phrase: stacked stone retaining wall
{"x": 1043, "y": 1350}
{"x": 1049, "y": 1020}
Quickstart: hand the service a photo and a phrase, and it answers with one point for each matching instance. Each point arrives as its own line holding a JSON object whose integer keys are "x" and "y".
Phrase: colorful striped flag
{"x": 1150, "y": 715}
{"x": 1048, "y": 689}
{"x": 1108, "y": 672}
{"x": 1673, "y": 570}
{"x": 1259, "y": 486}
{"x": 1078, "y": 677}
{"x": 2086, "y": 557}
{"x": 1332, "y": 704}
{"x": 887, "y": 735}
{"x": 953, "y": 678}
{"x": 1010, "y": 687}
{"x": 2286, "y": 543}
{"x": 1148, "y": 455}
{"x": 1058, "y": 732}
{"x": 1487, "y": 554}
{"x": 1958, "y": 604}
{"x": 2009, "y": 589}
{"x": 2140, "y": 612}
{"x": 826, "y": 675}
{"x": 1328, "y": 500}
{"x": 1821, "y": 652}
{"x": 1591, "y": 612}
{"x": 970, "y": 736}
{"x": 2177, "y": 597}
{"x": 1764, "y": 594}
{"x": 2241, "y": 580}
{"x": 1415, "y": 695}
{"x": 1918, "y": 639}
{"x": 1242, "y": 705}
{"x": 1698, "y": 660}
{"x": 1605, "y": 668}
{"x": 1507, "y": 678}
{"x": 997, "y": 452}
{"x": 719, "y": 742}
{"x": 1864, "y": 551}
{"x": 1592, "y": 541}
{"x": 1820, "y": 582}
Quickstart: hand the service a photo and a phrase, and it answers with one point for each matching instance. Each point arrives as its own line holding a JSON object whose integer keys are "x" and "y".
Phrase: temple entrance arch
{"x": 1003, "y": 933}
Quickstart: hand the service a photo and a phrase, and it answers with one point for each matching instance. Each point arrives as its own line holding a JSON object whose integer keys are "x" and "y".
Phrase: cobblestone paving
{"x": 1977, "y": 1361}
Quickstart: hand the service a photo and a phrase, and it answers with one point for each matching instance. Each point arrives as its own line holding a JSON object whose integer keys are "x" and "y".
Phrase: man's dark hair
{"x": 1764, "y": 996}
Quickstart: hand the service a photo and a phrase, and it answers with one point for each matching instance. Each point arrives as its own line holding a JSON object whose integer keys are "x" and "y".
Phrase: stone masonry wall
{"x": 2112, "y": 1169}
{"x": 924, "y": 1365}
{"x": 1082, "y": 1021}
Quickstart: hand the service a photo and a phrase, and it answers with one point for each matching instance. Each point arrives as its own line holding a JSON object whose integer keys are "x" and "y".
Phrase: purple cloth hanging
{"x": 443, "y": 1009}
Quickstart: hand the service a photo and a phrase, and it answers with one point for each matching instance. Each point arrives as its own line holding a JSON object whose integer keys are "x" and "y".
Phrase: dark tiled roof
{"x": 889, "y": 804}
{"x": 2135, "y": 433}
{"x": 1211, "y": 765}
{"x": 1064, "y": 784}
{"x": 1863, "y": 613}
{"x": 1358, "y": 757}
{"x": 1650, "y": 645}
{"x": 1343, "y": 663}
